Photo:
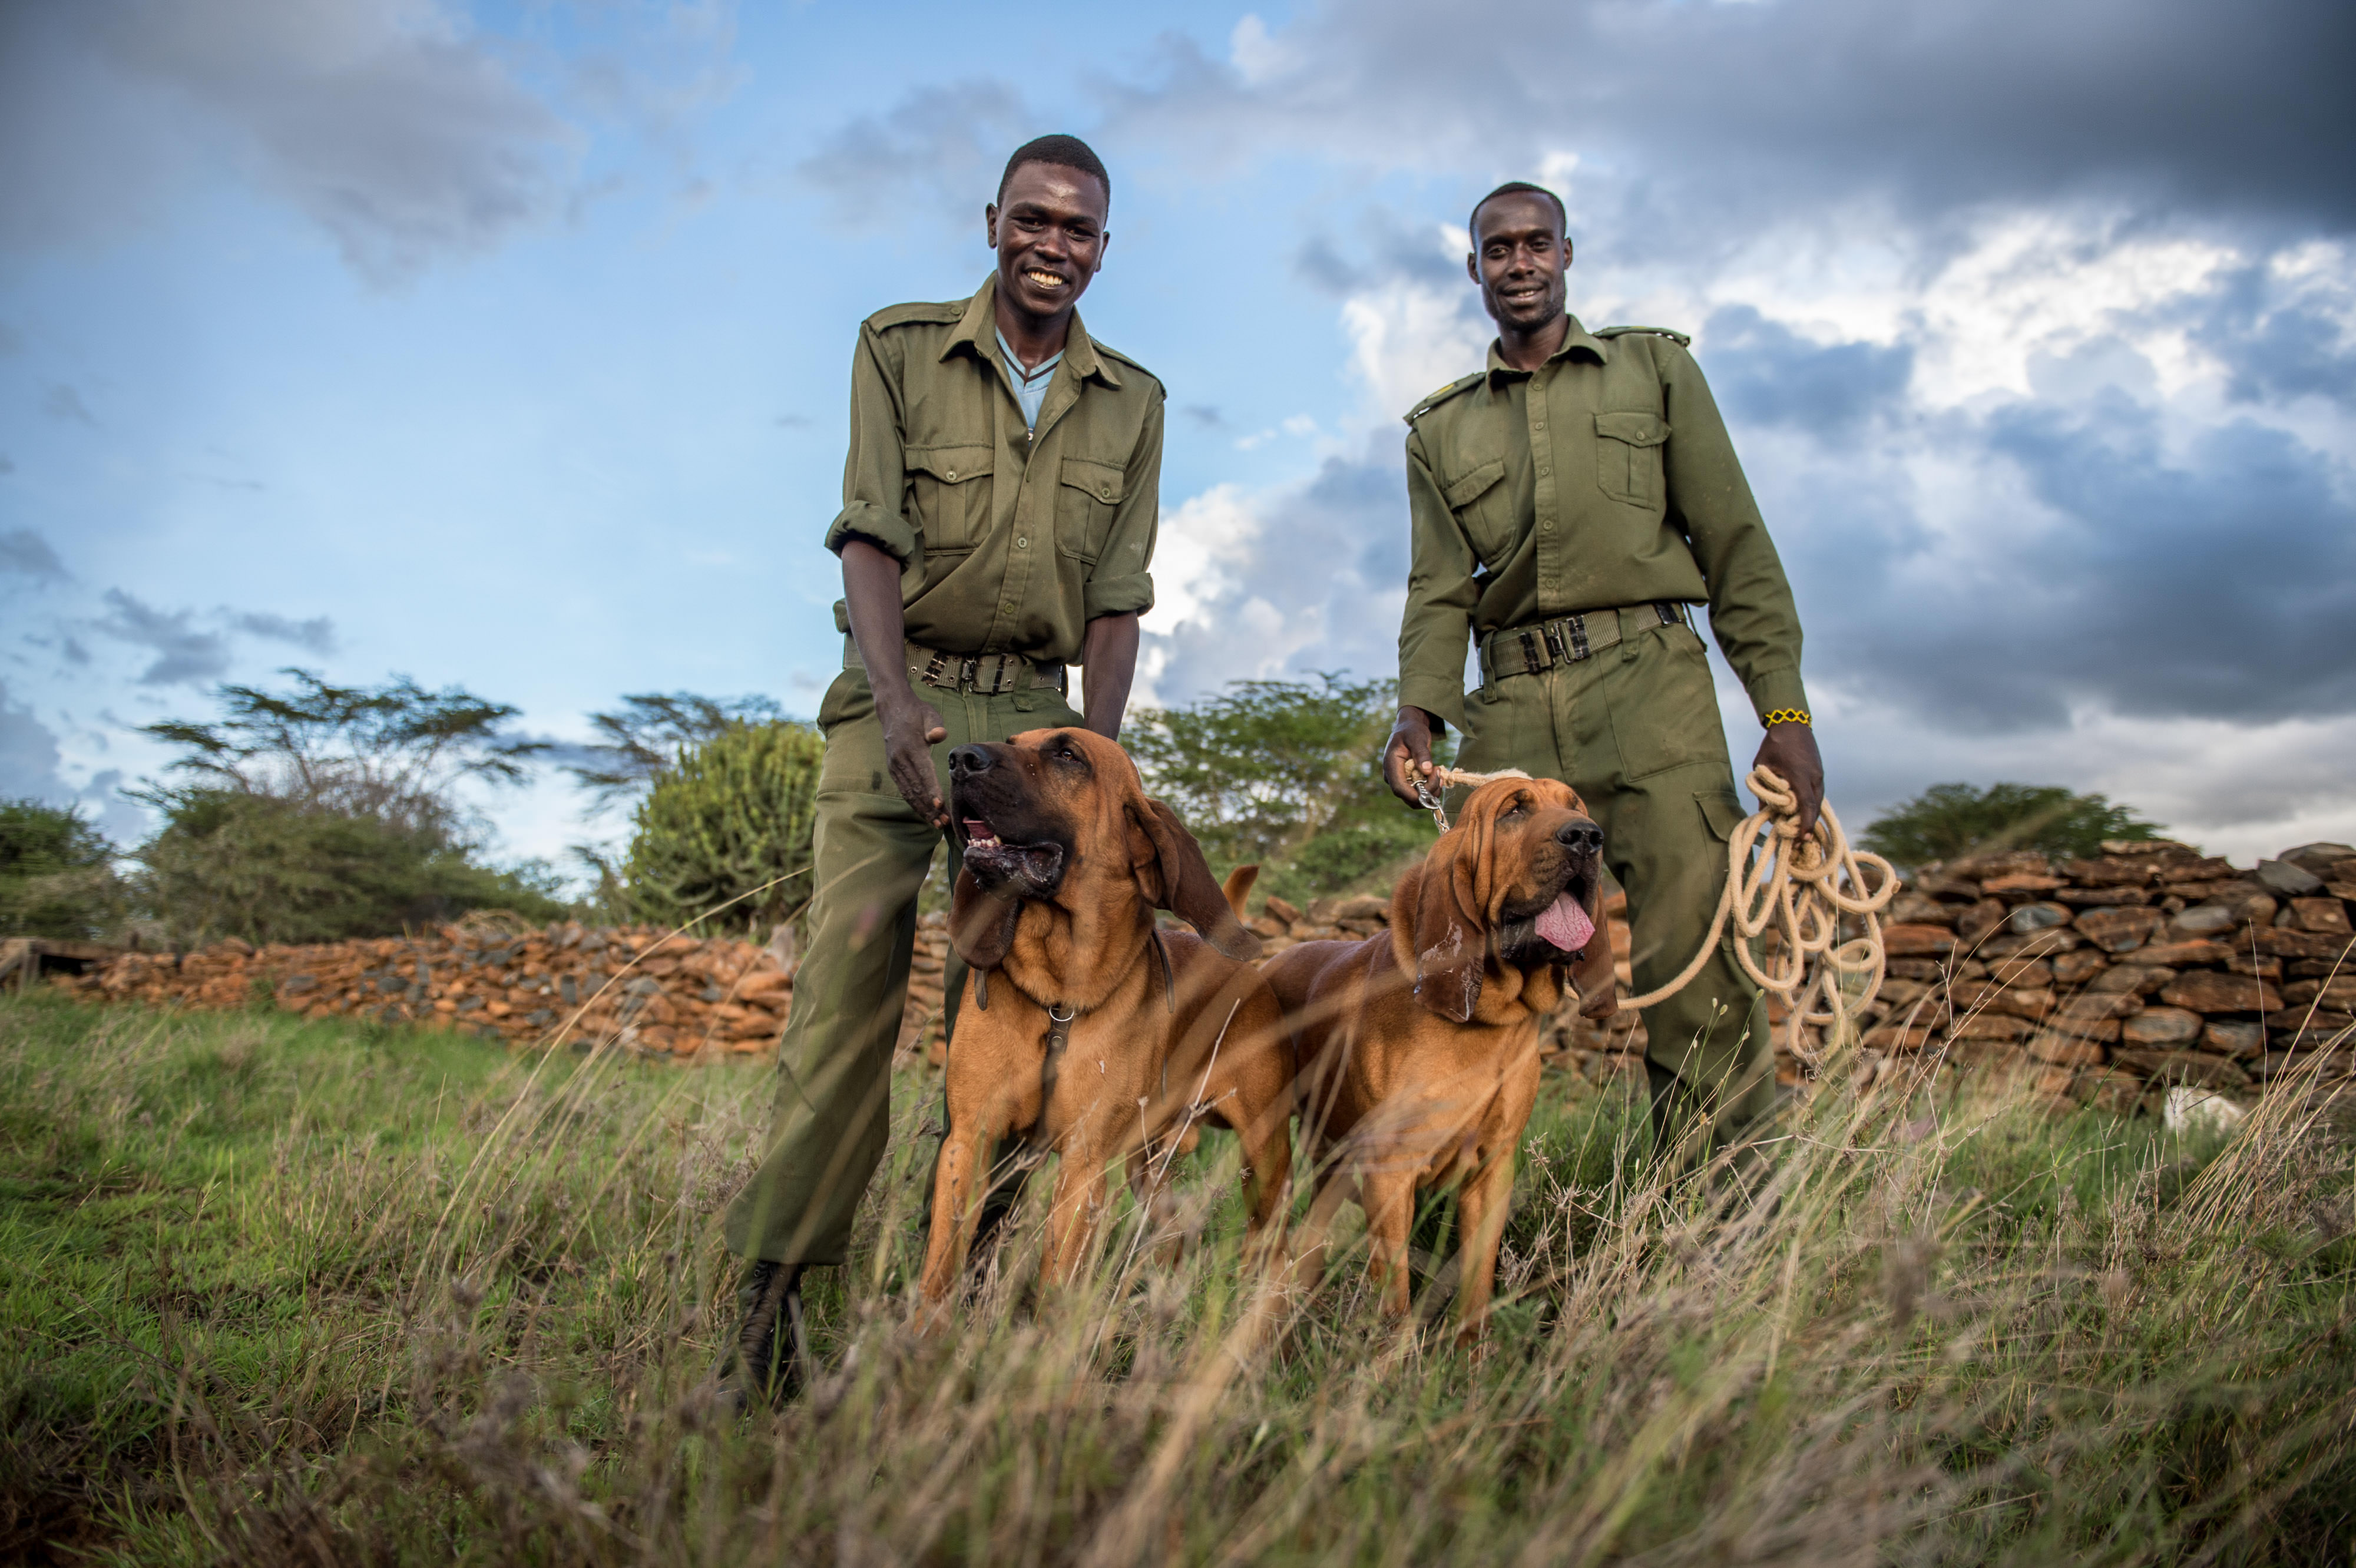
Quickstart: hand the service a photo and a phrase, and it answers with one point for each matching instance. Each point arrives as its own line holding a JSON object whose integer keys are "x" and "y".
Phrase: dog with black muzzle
{"x": 1418, "y": 1047}
{"x": 1083, "y": 1028}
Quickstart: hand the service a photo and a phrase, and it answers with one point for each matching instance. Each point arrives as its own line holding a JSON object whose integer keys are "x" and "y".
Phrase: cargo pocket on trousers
{"x": 1721, "y": 812}
{"x": 1663, "y": 707}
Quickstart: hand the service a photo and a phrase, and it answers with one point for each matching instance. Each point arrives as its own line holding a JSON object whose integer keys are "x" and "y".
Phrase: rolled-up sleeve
{"x": 1120, "y": 582}
{"x": 1441, "y": 596}
{"x": 874, "y": 474}
{"x": 1752, "y": 611}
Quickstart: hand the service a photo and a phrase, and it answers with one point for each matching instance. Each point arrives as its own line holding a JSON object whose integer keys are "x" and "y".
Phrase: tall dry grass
{"x": 291, "y": 1293}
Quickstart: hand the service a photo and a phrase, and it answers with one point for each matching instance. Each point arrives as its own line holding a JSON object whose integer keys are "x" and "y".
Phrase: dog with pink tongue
{"x": 1418, "y": 1047}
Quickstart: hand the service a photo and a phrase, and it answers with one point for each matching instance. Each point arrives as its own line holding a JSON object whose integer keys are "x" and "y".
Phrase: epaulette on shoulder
{"x": 946, "y": 311}
{"x": 1112, "y": 353}
{"x": 1682, "y": 341}
{"x": 1442, "y": 395}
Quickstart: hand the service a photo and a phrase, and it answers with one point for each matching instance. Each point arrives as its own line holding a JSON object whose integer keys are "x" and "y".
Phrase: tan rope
{"x": 1794, "y": 888}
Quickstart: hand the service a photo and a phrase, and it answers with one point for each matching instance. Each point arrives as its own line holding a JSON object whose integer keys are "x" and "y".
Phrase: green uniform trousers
{"x": 1635, "y": 730}
{"x": 834, "y": 1069}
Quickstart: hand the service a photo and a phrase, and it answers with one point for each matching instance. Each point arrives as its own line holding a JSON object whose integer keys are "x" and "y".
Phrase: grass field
{"x": 277, "y": 1291}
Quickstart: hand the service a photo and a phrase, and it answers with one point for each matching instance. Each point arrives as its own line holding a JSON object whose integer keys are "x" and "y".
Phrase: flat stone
{"x": 1897, "y": 1038}
{"x": 2284, "y": 942}
{"x": 2161, "y": 1026}
{"x": 1927, "y": 971}
{"x": 2125, "y": 870}
{"x": 2019, "y": 882}
{"x": 2138, "y": 979}
{"x": 2192, "y": 954}
{"x": 2001, "y": 862}
{"x": 2071, "y": 968}
{"x": 1914, "y": 939}
{"x": 1980, "y": 919}
{"x": 2233, "y": 1039}
{"x": 2065, "y": 1050}
{"x": 2038, "y": 917}
{"x": 1365, "y": 907}
{"x": 2209, "y": 868}
{"x": 1914, "y": 909}
{"x": 2184, "y": 1066}
{"x": 2336, "y": 993}
{"x": 2147, "y": 846}
{"x": 1989, "y": 1027}
{"x": 2326, "y": 916}
{"x": 2319, "y": 857}
{"x": 2287, "y": 878}
{"x": 2097, "y": 897}
{"x": 2119, "y": 930}
{"x": 2209, "y": 991}
{"x": 2202, "y": 921}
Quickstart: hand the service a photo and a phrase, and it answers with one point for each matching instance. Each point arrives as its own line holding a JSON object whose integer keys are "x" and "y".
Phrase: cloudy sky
{"x": 508, "y": 345}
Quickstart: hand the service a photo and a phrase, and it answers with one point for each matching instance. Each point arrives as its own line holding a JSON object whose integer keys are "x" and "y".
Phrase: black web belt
{"x": 1566, "y": 639}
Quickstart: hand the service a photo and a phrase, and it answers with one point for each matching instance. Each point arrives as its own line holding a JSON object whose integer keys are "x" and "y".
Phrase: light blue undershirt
{"x": 1030, "y": 387}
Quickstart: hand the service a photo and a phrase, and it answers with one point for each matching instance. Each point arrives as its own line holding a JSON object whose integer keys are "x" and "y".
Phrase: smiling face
{"x": 1521, "y": 259}
{"x": 1048, "y": 229}
{"x": 1015, "y": 809}
{"x": 1546, "y": 871}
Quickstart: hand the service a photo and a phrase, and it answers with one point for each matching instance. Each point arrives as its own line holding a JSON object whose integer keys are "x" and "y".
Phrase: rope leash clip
{"x": 1431, "y": 803}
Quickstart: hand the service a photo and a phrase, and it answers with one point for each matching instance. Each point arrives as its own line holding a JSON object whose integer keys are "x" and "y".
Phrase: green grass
{"x": 284, "y": 1292}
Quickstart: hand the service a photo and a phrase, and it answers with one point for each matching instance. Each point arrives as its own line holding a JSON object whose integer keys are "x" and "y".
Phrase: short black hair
{"x": 1514, "y": 188}
{"x": 1064, "y": 152}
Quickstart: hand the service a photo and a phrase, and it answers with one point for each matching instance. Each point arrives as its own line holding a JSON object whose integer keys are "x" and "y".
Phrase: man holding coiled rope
{"x": 1569, "y": 503}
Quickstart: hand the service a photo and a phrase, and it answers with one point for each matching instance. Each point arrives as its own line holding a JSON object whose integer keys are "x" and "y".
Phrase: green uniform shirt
{"x": 1603, "y": 478}
{"x": 1010, "y": 540}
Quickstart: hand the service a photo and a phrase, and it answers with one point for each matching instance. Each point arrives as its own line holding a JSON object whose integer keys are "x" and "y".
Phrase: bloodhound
{"x": 1083, "y": 1027}
{"x": 1418, "y": 1047}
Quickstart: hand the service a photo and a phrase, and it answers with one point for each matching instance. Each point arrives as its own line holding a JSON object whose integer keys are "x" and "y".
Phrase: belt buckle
{"x": 970, "y": 672}
{"x": 1552, "y": 633}
{"x": 1530, "y": 652}
{"x": 1576, "y": 626}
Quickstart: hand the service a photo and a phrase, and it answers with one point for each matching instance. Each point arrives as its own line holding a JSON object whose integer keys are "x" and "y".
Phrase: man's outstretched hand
{"x": 1407, "y": 757}
{"x": 1791, "y": 750}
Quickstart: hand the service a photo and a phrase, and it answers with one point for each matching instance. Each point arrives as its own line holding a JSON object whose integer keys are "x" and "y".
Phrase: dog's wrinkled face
{"x": 1015, "y": 806}
{"x": 1546, "y": 869}
{"x": 1059, "y": 816}
{"x": 1516, "y": 881}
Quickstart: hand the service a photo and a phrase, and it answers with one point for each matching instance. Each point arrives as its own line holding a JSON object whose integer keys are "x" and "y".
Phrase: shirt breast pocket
{"x": 949, "y": 494}
{"x": 1482, "y": 507}
{"x": 1628, "y": 456}
{"x": 1085, "y": 503}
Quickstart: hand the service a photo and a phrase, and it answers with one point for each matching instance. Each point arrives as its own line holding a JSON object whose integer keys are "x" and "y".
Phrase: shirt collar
{"x": 977, "y": 333}
{"x": 1576, "y": 340}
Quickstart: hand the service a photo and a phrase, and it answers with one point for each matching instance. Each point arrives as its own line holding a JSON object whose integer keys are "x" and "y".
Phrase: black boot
{"x": 772, "y": 1354}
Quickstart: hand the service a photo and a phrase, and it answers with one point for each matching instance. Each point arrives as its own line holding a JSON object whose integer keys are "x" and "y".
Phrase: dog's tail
{"x": 1239, "y": 886}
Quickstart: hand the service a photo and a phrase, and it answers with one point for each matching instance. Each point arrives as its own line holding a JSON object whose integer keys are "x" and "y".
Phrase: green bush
{"x": 1286, "y": 774}
{"x": 731, "y": 821}
{"x": 1951, "y": 820}
{"x": 57, "y": 875}
{"x": 229, "y": 862}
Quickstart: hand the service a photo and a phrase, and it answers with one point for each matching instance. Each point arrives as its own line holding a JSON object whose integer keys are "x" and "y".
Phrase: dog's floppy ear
{"x": 1449, "y": 947}
{"x": 982, "y": 926}
{"x": 1174, "y": 876}
{"x": 1591, "y": 972}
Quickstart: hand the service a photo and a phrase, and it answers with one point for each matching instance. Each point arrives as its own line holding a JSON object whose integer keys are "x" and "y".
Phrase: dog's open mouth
{"x": 1032, "y": 868}
{"x": 1564, "y": 924}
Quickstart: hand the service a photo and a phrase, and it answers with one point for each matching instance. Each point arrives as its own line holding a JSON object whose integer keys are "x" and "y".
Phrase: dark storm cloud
{"x": 2273, "y": 348}
{"x": 28, "y": 753}
{"x": 2220, "y": 583}
{"x": 941, "y": 147}
{"x": 1330, "y": 555}
{"x": 29, "y": 554}
{"x": 389, "y": 125}
{"x": 1764, "y": 374}
{"x": 183, "y": 655}
{"x": 317, "y": 635}
{"x": 1928, "y": 104}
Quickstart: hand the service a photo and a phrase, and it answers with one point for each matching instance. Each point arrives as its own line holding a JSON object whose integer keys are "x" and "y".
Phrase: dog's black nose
{"x": 969, "y": 759}
{"x": 1580, "y": 837}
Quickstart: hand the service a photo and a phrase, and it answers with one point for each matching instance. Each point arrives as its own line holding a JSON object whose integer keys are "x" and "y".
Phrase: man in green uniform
{"x": 999, "y": 507}
{"x": 1569, "y": 502}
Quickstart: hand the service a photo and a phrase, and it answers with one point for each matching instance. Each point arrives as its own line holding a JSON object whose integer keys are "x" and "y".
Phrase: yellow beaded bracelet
{"x": 1787, "y": 717}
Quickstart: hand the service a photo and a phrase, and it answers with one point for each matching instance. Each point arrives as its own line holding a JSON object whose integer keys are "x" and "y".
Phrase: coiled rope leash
{"x": 1794, "y": 888}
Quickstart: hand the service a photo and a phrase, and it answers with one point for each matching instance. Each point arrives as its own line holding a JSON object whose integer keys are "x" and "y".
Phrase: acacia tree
{"x": 644, "y": 740}
{"x": 393, "y": 752}
{"x": 328, "y": 811}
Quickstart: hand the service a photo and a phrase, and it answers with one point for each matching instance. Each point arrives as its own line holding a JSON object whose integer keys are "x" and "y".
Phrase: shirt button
{"x": 1022, "y": 544}
{"x": 950, "y": 476}
{"x": 1106, "y": 492}
{"x": 1008, "y": 607}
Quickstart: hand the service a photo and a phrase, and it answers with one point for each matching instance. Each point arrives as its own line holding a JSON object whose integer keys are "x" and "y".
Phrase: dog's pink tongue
{"x": 1565, "y": 924}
